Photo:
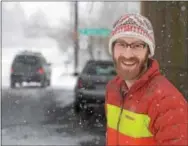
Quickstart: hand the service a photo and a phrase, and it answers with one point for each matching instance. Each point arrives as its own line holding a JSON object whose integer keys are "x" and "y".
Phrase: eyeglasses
{"x": 136, "y": 46}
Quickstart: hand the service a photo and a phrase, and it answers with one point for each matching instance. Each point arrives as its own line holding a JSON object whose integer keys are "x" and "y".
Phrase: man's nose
{"x": 127, "y": 53}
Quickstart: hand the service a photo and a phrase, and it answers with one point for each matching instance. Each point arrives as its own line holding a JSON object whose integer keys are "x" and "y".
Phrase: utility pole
{"x": 76, "y": 38}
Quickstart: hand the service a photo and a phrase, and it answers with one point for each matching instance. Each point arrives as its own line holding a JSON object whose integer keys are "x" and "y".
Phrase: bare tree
{"x": 37, "y": 25}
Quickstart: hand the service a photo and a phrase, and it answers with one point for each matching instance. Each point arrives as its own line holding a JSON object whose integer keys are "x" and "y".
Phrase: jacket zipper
{"x": 119, "y": 119}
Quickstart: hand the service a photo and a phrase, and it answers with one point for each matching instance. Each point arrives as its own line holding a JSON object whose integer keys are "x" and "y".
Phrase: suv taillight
{"x": 12, "y": 70}
{"x": 86, "y": 84}
{"x": 80, "y": 83}
{"x": 40, "y": 70}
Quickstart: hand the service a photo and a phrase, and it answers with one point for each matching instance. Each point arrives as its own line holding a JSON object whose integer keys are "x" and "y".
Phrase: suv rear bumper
{"x": 29, "y": 78}
{"x": 90, "y": 96}
{"x": 89, "y": 103}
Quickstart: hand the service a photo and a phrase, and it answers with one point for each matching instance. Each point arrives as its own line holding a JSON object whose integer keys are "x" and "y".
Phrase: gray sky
{"x": 53, "y": 10}
{"x": 57, "y": 10}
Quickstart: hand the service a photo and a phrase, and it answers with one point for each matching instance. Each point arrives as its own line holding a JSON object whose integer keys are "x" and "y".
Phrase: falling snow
{"x": 65, "y": 83}
{"x": 181, "y": 110}
{"x": 183, "y": 8}
{"x": 17, "y": 101}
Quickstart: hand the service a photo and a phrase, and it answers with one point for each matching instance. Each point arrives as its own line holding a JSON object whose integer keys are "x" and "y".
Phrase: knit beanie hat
{"x": 133, "y": 25}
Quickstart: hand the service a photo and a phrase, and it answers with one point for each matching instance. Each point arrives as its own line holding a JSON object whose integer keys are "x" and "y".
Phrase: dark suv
{"x": 91, "y": 84}
{"x": 30, "y": 67}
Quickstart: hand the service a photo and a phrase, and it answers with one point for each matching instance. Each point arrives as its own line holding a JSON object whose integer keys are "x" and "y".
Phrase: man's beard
{"x": 130, "y": 73}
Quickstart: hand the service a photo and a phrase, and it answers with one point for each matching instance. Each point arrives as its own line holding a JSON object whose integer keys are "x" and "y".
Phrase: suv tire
{"x": 49, "y": 82}
{"x": 43, "y": 83}
{"x": 12, "y": 84}
{"x": 76, "y": 107}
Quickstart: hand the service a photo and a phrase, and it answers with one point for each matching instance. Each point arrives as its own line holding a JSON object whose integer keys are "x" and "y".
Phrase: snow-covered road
{"x": 35, "y": 116}
{"x": 43, "y": 117}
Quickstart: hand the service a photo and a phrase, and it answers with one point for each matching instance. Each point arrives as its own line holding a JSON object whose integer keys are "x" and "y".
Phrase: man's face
{"x": 130, "y": 57}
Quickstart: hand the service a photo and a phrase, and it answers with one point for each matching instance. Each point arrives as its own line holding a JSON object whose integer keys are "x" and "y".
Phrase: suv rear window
{"x": 27, "y": 60}
{"x": 100, "y": 68}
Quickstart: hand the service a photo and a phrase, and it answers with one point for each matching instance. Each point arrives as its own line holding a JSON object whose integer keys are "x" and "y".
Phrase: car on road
{"x": 29, "y": 67}
{"x": 91, "y": 84}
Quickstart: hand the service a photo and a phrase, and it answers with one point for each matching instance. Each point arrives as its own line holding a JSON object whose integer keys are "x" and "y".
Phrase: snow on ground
{"x": 62, "y": 79}
{"x": 30, "y": 135}
{"x": 61, "y": 75}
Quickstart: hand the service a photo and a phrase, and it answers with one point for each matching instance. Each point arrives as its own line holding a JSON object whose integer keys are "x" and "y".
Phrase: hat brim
{"x": 132, "y": 35}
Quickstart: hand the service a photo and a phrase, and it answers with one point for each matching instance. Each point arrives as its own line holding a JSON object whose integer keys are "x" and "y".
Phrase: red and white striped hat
{"x": 134, "y": 25}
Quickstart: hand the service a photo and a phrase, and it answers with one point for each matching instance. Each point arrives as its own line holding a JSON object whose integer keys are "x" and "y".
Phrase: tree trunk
{"x": 170, "y": 22}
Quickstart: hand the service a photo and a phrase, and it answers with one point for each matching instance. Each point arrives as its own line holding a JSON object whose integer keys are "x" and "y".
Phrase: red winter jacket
{"x": 152, "y": 112}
